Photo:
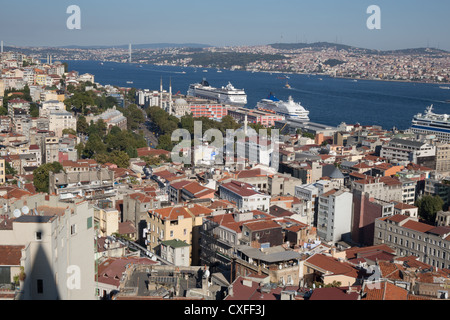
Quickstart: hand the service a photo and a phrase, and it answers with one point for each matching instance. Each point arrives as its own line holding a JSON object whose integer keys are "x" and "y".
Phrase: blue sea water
{"x": 329, "y": 100}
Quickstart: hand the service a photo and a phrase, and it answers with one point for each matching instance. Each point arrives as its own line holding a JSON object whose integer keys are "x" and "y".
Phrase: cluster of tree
{"x": 167, "y": 124}
{"x": 11, "y": 94}
{"x": 85, "y": 102}
{"x": 156, "y": 161}
{"x": 333, "y": 62}
{"x": 135, "y": 116}
{"x": 229, "y": 59}
{"x": 116, "y": 146}
{"x": 41, "y": 175}
{"x": 428, "y": 207}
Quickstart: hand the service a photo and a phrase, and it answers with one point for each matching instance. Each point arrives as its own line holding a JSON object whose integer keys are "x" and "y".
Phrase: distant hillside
{"x": 422, "y": 51}
{"x": 142, "y": 46}
{"x": 318, "y": 45}
{"x": 327, "y": 45}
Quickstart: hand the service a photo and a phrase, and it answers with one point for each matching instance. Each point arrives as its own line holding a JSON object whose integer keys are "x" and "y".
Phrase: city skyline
{"x": 404, "y": 25}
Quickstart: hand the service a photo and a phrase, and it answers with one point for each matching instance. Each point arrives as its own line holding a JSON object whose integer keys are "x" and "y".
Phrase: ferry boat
{"x": 430, "y": 123}
{"x": 227, "y": 95}
{"x": 289, "y": 109}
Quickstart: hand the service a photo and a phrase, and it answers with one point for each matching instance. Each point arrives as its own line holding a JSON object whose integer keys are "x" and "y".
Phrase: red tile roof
{"x": 332, "y": 265}
{"x": 384, "y": 291}
{"x": 334, "y": 293}
{"x": 10, "y": 255}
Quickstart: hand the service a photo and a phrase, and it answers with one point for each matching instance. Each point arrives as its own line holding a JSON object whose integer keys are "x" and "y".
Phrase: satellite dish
{"x": 17, "y": 213}
{"x": 25, "y": 210}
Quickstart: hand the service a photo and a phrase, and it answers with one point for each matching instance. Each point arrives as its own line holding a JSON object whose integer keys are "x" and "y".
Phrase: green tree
{"x": 9, "y": 169}
{"x": 69, "y": 131}
{"x": 165, "y": 142}
{"x": 3, "y": 111}
{"x": 94, "y": 146}
{"x": 120, "y": 158}
{"x": 135, "y": 116}
{"x": 82, "y": 125}
{"x": 79, "y": 147}
{"x": 34, "y": 110}
{"x": 41, "y": 175}
{"x": 132, "y": 152}
{"x": 428, "y": 207}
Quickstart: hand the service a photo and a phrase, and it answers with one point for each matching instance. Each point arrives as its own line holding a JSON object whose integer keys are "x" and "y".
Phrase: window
{"x": 89, "y": 222}
{"x": 39, "y": 236}
{"x": 73, "y": 229}
{"x": 171, "y": 233}
{"x": 40, "y": 286}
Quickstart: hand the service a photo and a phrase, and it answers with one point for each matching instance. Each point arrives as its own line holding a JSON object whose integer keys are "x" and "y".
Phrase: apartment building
{"x": 443, "y": 157}
{"x": 310, "y": 193}
{"x": 177, "y": 222}
{"x": 60, "y": 120}
{"x": 91, "y": 185}
{"x": 409, "y": 237}
{"x": 244, "y": 196}
{"x": 58, "y": 254}
{"x": 407, "y": 151}
{"x": 106, "y": 220}
{"x": 334, "y": 216}
{"x": 366, "y": 210}
{"x": 384, "y": 188}
{"x": 176, "y": 252}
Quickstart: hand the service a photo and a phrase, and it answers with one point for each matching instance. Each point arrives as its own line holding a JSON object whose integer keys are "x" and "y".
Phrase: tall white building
{"x": 60, "y": 120}
{"x": 334, "y": 217}
{"x": 310, "y": 193}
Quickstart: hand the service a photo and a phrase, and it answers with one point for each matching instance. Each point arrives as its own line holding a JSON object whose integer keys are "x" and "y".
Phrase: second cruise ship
{"x": 431, "y": 123}
{"x": 289, "y": 109}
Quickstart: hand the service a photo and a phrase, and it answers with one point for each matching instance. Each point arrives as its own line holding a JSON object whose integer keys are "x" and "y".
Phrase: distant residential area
{"x": 95, "y": 206}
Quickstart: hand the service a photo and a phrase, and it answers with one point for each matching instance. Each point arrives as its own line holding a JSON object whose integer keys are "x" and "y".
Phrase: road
{"x": 150, "y": 131}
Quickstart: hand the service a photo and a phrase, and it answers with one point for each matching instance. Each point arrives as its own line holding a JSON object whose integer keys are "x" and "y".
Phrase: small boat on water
{"x": 130, "y": 82}
{"x": 287, "y": 85}
{"x": 444, "y": 88}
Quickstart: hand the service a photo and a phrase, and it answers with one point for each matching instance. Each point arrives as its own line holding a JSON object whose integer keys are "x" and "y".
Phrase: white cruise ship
{"x": 226, "y": 95}
{"x": 289, "y": 109}
{"x": 431, "y": 123}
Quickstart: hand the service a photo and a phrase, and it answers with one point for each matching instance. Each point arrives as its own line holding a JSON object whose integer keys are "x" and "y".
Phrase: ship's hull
{"x": 233, "y": 97}
{"x": 290, "y": 109}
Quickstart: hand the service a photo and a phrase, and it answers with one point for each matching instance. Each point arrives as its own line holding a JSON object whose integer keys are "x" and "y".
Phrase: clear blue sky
{"x": 404, "y": 23}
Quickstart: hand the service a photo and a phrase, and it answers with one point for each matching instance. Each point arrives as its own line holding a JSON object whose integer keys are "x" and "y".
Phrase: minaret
{"x": 1, "y": 51}
{"x": 245, "y": 125}
{"x": 161, "y": 94}
{"x": 129, "y": 51}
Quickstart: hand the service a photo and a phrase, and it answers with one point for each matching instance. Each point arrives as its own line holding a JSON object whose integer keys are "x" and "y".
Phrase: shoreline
{"x": 277, "y": 72}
